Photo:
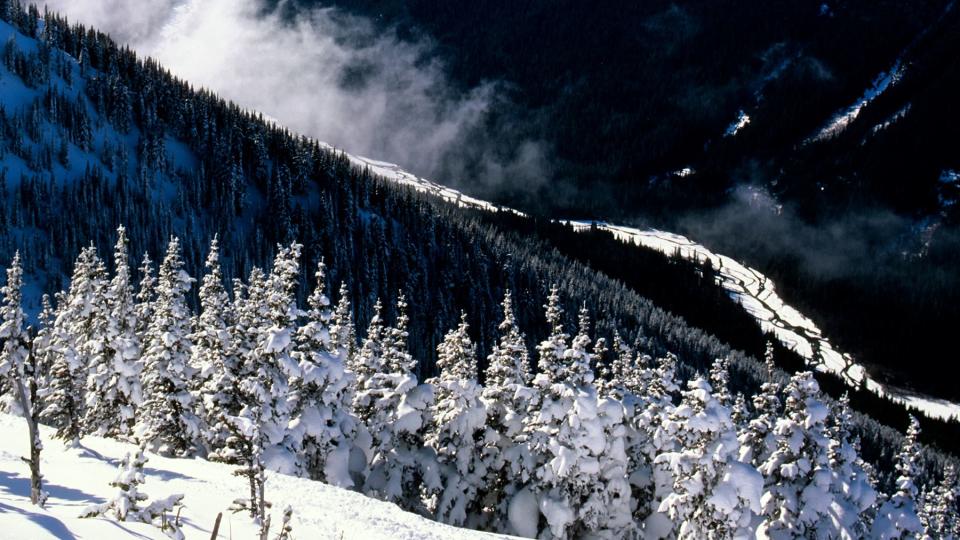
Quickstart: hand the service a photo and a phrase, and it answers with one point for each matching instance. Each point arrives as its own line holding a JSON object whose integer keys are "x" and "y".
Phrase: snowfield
{"x": 76, "y": 478}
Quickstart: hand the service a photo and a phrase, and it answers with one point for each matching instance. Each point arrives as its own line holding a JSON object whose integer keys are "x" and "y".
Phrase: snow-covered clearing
{"x": 75, "y": 478}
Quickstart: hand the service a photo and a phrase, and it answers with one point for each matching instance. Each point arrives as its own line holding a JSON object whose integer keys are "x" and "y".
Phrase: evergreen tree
{"x": 323, "y": 425}
{"x": 507, "y": 398}
{"x": 74, "y": 324}
{"x": 851, "y": 491}
{"x": 798, "y": 478}
{"x": 213, "y": 355}
{"x": 127, "y": 502}
{"x": 940, "y": 517}
{"x": 113, "y": 378}
{"x": 13, "y": 336}
{"x": 457, "y": 431}
{"x": 342, "y": 332}
{"x": 166, "y": 422}
{"x": 897, "y": 517}
{"x": 757, "y": 440}
{"x": 702, "y": 487}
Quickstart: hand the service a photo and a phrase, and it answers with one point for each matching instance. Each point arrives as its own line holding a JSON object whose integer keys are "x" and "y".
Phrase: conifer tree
{"x": 757, "y": 440}
{"x": 456, "y": 431}
{"x": 323, "y": 424}
{"x": 213, "y": 355}
{"x": 897, "y": 517}
{"x": 113, "y": 376}
{"x": 798, "y": 477}
{"x": 940, "y": 517}
{"x": 342, "y": 333}
{"x": 702, "y": 487}
{"x": 507, "y": 398}
{"x": 166, "y": 422}
{"x": 77, "y": 312}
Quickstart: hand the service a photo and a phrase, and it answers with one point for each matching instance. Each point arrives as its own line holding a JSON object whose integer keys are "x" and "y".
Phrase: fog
{"x": 333, "y": 77}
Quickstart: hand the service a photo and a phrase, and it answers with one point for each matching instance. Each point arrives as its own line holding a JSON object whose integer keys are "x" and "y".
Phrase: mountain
{"x": 813, "y": 141}
{"x": 94, "y": 138}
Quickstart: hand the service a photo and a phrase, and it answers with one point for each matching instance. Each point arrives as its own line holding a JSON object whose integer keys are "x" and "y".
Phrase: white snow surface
{"x": 844, "y": 118}
{"x": 77, "y": 477}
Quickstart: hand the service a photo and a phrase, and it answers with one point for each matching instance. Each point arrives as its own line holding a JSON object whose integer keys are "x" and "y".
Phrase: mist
{"x": 334, "y": 77}
{"x": 756, "y": 227}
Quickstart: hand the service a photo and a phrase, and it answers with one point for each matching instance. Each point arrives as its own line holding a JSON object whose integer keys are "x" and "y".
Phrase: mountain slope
{"x": 78, "y": 477}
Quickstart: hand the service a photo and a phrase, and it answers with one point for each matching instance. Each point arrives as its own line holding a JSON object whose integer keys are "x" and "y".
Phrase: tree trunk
{"x": 26, "y": 403}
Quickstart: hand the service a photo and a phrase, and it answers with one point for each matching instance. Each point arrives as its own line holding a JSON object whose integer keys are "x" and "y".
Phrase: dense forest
{"x": 601, "y": 443}
{"x": 856, "y": 220}
{"x": 92, "y": 137}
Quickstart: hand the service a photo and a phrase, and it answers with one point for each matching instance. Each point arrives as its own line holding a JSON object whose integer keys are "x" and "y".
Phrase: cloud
{"x": 334, "y": 77}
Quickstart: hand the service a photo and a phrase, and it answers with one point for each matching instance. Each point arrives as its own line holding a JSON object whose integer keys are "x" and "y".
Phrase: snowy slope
{"x": 75, "y": 478}
{"x": 753, "y": 290}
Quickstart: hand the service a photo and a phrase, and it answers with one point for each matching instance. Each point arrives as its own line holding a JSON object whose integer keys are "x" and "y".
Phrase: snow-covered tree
{"x": 166, "y": 422}
{"x": 647, "y": 436}
{"x": 507, "y": 398}
{"x": 13, "y": 336}
{"x": 272, "y": 360}
{"x": 798, "y": 478}
{"x": 702, "y": 487}
{"x": 146, "y": 292}
{"x": 394, "y": 409}
{"x": 851, "y": 492}
{"x": 940, "y": 515}
{"x": 457, "y": 430}
{"x": 323, "y": 424}
{"x": 897, "y": 517}
{"x": 18, "y": 369}
{"x": 720, "y": 382}
{"x": 127, "y": 501}
{"x": 113, "y": 375}
{"x": 565, "y": 435}
{"x": 757, "y": 440}
{"x": 342, "y": 332}
{"x": 73, "y": 329}
{"x": 213, "y": 355}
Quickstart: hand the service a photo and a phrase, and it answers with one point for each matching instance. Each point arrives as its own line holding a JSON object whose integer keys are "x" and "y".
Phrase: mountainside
{"x": 814, "y": 141}
{"x": 100, "y": 148}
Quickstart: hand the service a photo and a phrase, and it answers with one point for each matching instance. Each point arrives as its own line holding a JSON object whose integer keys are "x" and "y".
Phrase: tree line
{"x": 596, "y": 439}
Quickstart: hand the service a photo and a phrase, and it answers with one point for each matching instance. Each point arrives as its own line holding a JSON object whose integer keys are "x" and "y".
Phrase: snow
{"x": 741, "y": 122}
{"x": 844, "y": 118}
{"x": 757, "y": 294}
{"x": 77, "y": 478}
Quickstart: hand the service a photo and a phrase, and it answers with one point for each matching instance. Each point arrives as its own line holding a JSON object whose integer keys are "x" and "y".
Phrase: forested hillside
{"x": 93, "y": 138}
{"x": 815, "y": 141}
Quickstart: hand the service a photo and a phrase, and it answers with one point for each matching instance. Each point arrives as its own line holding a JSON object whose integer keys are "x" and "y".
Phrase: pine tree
{"x": 271, "y": 359}
{"x": 757, "y": 440}
{"x": 126, "y": 504}
{"x": 851, "y": 491}
{"x": 897, "y": 517}
{"x": 940, "y": 517}
{"x": 323, "y": 424}
{"x": 73, "y": 326}
{"x": 145, "y": 295}
{"x": 394, "y": 409}
{"x": 166, "y": 422}
{"x": 565, "y": 435}
{"x": 797, "y": 492}
{"x": 456, "y": 431}
{"x": 213, "y": 355}
{"x": 113, "y": 378}
{"x": 13, "y": 336}
{"x": 507, "y": 398}
{"x": 702, "y": 487}
{"x": 342, "y": 332}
